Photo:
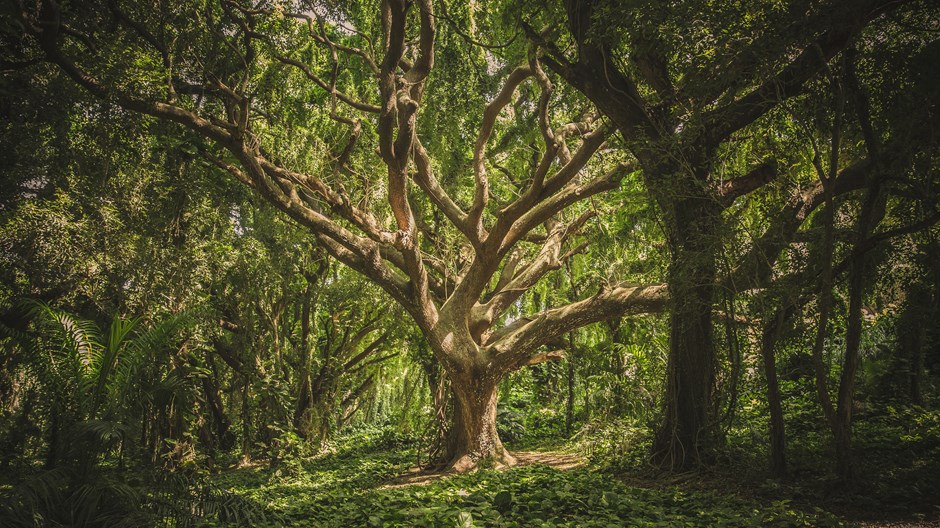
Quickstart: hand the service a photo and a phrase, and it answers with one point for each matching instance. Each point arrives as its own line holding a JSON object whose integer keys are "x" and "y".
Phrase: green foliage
{"x": 348, "y": 489}
{"x": 614, "y": 443}
{"x": 509, "y": 425}
{"x": 61, "y": 497}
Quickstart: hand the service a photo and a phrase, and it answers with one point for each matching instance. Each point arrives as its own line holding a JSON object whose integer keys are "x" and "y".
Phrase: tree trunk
{"x": 301, "y": 417}
{"x": 246, "y": 425}
{"x": 778, "y": 438}
{"x": 917, "y": 365}
{"x": 853, "y": 335}
{"x": 912, "y": 337}
{"x": 473, "y": 437}
{"x": 221, "y": 425}
{"x": 306, "y": 362}
{"x": 324, "y": 425}
{"x": 688, "y": 427}
{"x": 569, "y": 401}
{"x": 873, "y": 211}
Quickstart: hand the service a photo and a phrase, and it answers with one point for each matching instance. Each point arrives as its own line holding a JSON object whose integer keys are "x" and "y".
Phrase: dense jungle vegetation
{"x": 469, "y": 263}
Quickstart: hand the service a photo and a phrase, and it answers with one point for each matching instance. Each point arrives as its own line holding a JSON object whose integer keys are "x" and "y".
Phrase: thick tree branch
{"x": 543, "y": 357}
{"x": 520, "y": 337}
{"x": 754, "y": 269}
{"x": 570, "y": 194}
{"x": 730, "y": 190}
{"x": 549, "y": 258}
{"x": 424, "y": 177}
{"x": 720, "y": 123}
{"x": 481, "y": 186}
{"x": 511, "y": 220}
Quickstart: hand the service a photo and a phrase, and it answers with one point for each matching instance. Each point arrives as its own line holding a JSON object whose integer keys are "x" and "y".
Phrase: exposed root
{"x": 419, "y": 477}
{"x": 468, "y": 463}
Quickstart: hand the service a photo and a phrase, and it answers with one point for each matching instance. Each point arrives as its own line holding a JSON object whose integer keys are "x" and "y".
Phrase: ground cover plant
{"x": 364, "y": 487}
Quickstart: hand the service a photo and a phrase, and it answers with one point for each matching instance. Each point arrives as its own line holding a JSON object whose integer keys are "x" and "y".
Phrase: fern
{"x": 64, "y": 497}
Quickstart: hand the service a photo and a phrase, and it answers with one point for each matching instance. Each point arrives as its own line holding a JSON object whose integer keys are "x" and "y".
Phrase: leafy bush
{"x": 616, "y": 443}
{"x": 509, "y": 424}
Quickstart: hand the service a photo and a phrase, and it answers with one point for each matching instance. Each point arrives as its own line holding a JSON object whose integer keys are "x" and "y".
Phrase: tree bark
{"x": 871, "y": 214}
{"x": 688, "y": 428}
{"x": 778, "y": 438}
{"x": 912, "y": 337}
{"x": 306, "y": 360}
{"x": 221, "y": 424}
{"x": 853, "y": 334}
{"x": 569, "y": 400}
{"x": 473, "y": 438}
{"x": 246, "y": 425}
{"x": 917, "y": 366}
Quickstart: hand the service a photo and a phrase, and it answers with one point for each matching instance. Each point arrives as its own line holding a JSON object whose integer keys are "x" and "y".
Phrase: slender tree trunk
{"x": 824, "y": 304}
{"x": 153, "y": 440}
{"x": 873, "y": 211}
{"x": 853, "y": 334}
{"x": 221, "y": 425}
{"x": 569, "y": 402}
{"x": 734, "y": 358}
{"x": 324, "y": 423}
{"x": 352, "y": 402}
{"x": 912, "y": 337}
{"x": 246, "y": 424}
{"x": 917, "y": 365}
{"x": 306, "y": 361}
{"x": 406, "y": 407}
{"x": 778, "y": 438}
{"x": 473, "y": 437}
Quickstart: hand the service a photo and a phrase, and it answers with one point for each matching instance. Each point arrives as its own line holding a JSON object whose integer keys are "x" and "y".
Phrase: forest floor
{"x": 374, "y": 481}
{"x": 347, "y": 491}
{"x": 374, "y": 486}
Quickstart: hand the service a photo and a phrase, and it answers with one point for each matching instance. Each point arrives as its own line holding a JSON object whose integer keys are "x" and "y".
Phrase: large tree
{"x": 229, "y": 73}
{"x": 687, "y": 87}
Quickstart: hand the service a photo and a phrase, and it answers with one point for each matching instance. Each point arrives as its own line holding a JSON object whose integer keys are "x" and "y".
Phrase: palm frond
{"x": 117, "y": 334}
{"x": 74, "y": 337}
{"x": 103, "y": 432}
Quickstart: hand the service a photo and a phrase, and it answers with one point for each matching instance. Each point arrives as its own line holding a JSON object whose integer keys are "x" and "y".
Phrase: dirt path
{"x": 555, "y": 459}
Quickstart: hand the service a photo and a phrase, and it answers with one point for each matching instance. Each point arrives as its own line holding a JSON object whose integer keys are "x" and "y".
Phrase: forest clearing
{"x": 463, "y": 263}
